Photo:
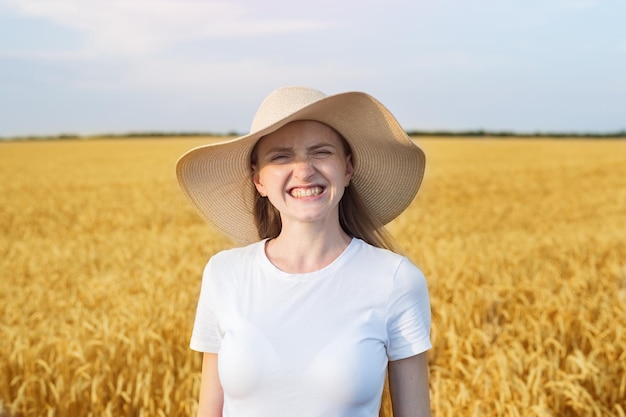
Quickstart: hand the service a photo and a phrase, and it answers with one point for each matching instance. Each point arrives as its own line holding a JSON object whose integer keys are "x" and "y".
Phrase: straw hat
{"x": 388, "y": 166}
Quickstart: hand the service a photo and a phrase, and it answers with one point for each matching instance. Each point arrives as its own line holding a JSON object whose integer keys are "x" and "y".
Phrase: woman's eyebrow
{"x": 279, "y": 148}
{"x": 321, "y": 145}
{"x": 276, "y": 149}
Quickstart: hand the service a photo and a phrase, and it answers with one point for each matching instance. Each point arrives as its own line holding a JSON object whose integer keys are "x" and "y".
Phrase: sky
{"x": 91, "y": 67}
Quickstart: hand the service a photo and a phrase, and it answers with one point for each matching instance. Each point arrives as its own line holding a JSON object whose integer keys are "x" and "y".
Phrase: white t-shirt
{"x": 313, "y": 344}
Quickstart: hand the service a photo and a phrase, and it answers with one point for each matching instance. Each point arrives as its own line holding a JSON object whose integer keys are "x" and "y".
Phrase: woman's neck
{"x": 306, "y": 249}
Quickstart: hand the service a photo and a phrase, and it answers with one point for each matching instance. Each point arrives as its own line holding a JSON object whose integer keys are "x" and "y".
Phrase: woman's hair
{"x": 356, "y": 220}
{"x": 354, "y": 217}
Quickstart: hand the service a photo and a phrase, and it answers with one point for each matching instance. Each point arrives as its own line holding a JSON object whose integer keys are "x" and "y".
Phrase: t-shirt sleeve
{"x": 408, "y": 313}
{"x": 206, "y": 335}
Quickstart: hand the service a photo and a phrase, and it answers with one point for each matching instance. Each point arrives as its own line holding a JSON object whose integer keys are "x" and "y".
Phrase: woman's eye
{"x": 322, "y": 153}
{"x": 278, "y": 157}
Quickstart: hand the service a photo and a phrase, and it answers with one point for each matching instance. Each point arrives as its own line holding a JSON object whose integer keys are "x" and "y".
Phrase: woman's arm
{"x": 211, "y": 393}
{"x": 408, "y": 385}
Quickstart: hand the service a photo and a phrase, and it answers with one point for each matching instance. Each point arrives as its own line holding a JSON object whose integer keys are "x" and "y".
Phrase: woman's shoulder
{"x": 238, "y": 254}
{"x": 377, "y": 254}
{"x": 228, "y": 266}
{"x": 385, "y": 258}
{"x": 239, "y": 250}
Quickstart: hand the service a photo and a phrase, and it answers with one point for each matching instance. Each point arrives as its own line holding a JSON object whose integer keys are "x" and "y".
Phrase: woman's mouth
{"x": 302, "y": 192}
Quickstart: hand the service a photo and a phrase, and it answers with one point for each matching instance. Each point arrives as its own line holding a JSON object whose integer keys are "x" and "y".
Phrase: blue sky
{"x": 119, "y": 66}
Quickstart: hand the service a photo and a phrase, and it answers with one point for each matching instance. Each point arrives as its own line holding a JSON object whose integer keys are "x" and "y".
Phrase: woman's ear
{"x": 257, "y": 181}
{"x": 349, "y": 169}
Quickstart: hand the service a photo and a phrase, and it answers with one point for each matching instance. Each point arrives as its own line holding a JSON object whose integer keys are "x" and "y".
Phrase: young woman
{"x": 314, "y": 310}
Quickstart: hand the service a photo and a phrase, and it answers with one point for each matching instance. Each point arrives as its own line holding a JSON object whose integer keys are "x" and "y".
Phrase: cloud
{"x": 175, "y": 48}
{"x": 121, "y": 28}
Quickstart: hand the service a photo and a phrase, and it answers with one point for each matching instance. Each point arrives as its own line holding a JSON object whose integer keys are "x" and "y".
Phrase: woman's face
{"x": 303, "y": 169}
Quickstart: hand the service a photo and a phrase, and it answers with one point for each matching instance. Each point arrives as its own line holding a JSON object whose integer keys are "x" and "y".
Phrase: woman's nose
{"x": 303, "y": 168}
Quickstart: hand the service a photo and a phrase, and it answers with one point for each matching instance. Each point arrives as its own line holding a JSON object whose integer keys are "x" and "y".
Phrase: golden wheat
{"x": 523, "y": 243}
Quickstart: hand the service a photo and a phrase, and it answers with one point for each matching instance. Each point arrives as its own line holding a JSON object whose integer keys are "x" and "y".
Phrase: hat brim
{"x": 388, "y": 165}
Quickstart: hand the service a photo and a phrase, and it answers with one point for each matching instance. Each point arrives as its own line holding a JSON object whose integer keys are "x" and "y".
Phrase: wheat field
{"x": 523, "y": 243}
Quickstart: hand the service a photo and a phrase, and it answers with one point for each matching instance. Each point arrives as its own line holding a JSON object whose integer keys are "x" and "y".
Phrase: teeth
{"x": 306, "y": 192}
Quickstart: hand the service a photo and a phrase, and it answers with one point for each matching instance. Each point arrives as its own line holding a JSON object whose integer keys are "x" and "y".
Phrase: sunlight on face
{"x": 303, "y": 168}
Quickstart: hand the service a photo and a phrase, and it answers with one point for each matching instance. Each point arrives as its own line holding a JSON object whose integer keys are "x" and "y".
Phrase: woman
{"x": 310, "y": 315}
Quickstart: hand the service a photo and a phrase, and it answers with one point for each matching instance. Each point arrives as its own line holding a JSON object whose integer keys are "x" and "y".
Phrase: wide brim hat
{"x": 388, "y": 165}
